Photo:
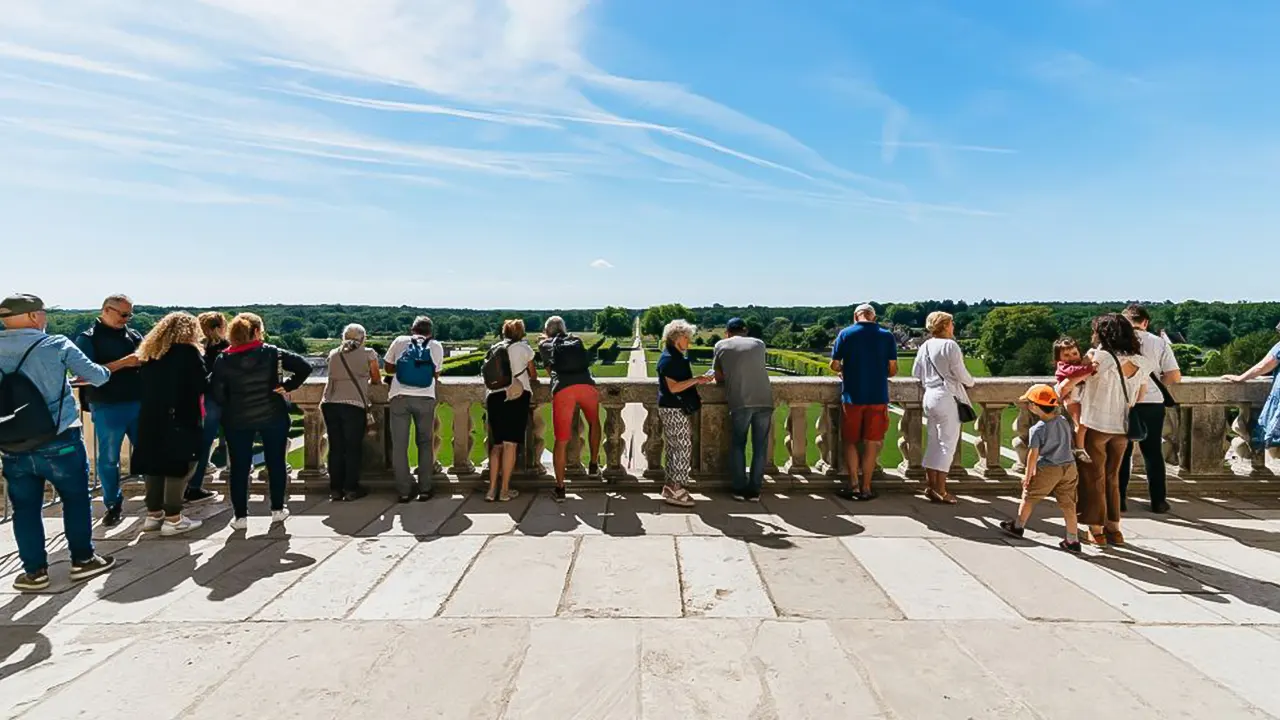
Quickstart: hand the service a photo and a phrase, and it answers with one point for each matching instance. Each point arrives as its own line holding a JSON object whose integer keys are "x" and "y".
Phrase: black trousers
{"x": 1152, "y": 454}
{"x": 345, "y": 425}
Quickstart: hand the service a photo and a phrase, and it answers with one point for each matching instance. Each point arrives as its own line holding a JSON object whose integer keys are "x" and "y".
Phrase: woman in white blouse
{"x": 1104, "y": 412}
{"x": 939, "y": 367}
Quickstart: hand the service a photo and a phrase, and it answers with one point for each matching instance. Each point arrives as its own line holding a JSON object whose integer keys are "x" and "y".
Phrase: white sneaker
{"x": 152, "y": 524}
{"x": 279, "y": 516}
{"x": 240, "y": 524}
{"x": 184, "y": 524}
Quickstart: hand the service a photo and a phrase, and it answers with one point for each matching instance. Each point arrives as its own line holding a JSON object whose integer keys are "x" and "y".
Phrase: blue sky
{"x": 539, "y": 153}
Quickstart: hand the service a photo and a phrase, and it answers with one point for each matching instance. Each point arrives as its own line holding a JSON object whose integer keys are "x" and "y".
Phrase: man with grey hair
{"x": 866, "y": 356}
{"x": 572, "y": 387}
{"x": 413, "y": 361}
{"x": 42, "y": 441}
{"x": 114, "y": 407}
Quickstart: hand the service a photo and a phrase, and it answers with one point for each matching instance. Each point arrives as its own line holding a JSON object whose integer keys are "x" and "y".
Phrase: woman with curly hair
{"x": 1104, "y": 412}
{"x": 678, "y": 402}
{"x": 170, "y": 422}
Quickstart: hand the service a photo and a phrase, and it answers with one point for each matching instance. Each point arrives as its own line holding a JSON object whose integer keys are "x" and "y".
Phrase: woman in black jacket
{"x": 249, "y": 383}
{"x": 170, "y": 426}
{"x": 214, "y": 327}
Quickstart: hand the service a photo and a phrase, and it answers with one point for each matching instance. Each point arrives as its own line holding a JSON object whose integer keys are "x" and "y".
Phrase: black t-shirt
{"x": 674, "y": 365}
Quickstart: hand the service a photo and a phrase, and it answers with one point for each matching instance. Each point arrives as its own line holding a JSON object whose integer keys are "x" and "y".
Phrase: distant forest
{"x": 1012, "y": 338}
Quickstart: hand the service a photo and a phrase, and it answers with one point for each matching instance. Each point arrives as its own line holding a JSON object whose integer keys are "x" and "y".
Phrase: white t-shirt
{"x": 398, "y": 346}
{"x": 1102, "y": 405}
{"x": 520, "y": 355}
{"x": 1158, "y": 352}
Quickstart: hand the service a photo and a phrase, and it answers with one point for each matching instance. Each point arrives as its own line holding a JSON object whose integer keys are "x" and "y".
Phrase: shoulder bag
{"x": 963, "y": 409}
{"x": 1135, "y": 428}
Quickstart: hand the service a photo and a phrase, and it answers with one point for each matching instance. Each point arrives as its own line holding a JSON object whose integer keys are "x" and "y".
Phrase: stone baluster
{"x": 711, "y": 435}
{"x": 462, "y": 440}
{"x": 828, "y": 441}
{"x": 437, "y": 469}
{"x": 573, "y": 450}
{"x": 536, "y": 445}
{"x": 988, "y": 445}
{"x": 797, "y": 440}
{"x": 313, "y": 438}
{"x": 653, "y": 443}
{"x": 1171, "y": 438}
{"x": 613, "y": 430}
{"x": 957, "y": 470}
{"x": 1208, "y": 442}
{"x": 770, "y": 460}
{"x": 1021, "y": 435}
{"x": 1240, "y": 444}
{"x": 1184, "y": 440}
{"x": 910, "y": 442}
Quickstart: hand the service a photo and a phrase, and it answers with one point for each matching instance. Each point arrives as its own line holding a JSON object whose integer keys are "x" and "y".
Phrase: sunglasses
{"x": 125, "y": 315}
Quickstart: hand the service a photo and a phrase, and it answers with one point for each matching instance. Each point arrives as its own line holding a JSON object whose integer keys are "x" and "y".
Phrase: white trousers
{"x": 942, "y": 428}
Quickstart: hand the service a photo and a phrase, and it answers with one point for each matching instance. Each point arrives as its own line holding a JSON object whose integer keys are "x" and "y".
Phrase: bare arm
{"x": 679, "y": 386}
{"x": 1173, "y": 376}
{"x": 1264, "y": 367}
{"x": 375, "y": 372}
{"x": 1032, "y": 456}
{"x": 836, "y": 366}
{"x": 893, "y": 368}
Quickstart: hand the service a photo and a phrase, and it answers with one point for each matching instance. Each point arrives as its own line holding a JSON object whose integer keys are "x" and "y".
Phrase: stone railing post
{"x": 1208, "y": 442}
{"x": 1021, "y": 434}
{"x": 957, "y": 470}
{"x": 910, "y": 441}
{"x": 711, "y": 440}
{"x": 531, "y": 464}
{"x": 462, "y": 440}
{"x": 613, "y": 429}
{"x": 573, "y": 451}
{"x": 770, "y": 461}
{"x": 653, "y": 443}
{"x": 988, "y": 445}
{"x": 313, "y": 438}
{"x": 437, "y": 469}
{"x": 797, "y": 440}
{"x": 828, "y": 441}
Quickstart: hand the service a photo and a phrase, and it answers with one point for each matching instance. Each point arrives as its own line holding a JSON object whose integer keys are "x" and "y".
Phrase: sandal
{"x": 1071, "y": 547}
{"x": 1114, "y": 537}
{"x": 948, "y": 499}
{"x": 1099, "y": 539}
{"x": 509, "y": 495}
{"x": 491, "y": 496}
{"x": 932, "y": 496}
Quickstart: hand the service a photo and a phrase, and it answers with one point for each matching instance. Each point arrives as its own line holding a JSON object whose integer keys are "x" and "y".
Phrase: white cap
{"x": 864, "y": 308}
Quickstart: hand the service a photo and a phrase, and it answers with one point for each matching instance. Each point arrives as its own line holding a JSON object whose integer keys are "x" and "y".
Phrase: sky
{"x": 578, "y": 153}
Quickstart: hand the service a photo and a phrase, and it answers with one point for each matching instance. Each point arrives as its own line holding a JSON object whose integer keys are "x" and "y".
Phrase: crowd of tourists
{"x": 190, "y": 381}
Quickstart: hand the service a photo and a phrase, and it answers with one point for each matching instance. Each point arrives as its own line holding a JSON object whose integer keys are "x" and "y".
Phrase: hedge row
{"x": 468, "y": 364}
{"x": 797, "y": 362}
{"x": 607, "y": 352}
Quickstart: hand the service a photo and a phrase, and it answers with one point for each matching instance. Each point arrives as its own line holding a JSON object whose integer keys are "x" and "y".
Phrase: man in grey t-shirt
{"x": 739, "y": 365}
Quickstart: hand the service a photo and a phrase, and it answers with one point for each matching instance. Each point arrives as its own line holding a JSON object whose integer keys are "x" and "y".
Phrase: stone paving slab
{"x": 801, "y": 606}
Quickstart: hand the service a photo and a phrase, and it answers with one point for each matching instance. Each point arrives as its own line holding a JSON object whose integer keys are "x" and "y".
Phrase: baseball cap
{"x": 1041, "y": 394}
{"x": 736, "y": 325}
{"x": 864, "y": 308}
{"x": 20, "y": 304}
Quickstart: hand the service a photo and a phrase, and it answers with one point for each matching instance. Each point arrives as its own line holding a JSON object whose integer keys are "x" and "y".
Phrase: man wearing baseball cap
{"x": 44, "y": 444}
{"x": 866, "y": 356}
{"x": 1051, "y": 464}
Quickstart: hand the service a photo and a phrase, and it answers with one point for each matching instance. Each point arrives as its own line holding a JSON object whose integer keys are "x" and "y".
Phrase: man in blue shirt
{"x": 62, "y": 461}
{"x": 866, "y": 356}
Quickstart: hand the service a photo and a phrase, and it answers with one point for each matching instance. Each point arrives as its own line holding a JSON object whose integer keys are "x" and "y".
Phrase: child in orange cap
{"x": 1051, "y": 464}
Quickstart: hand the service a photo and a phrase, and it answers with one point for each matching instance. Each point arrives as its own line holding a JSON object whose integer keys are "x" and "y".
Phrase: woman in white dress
{"x": 939, "y": 367}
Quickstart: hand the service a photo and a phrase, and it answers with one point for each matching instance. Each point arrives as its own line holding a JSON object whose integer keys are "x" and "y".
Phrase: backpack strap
{"x": 23, "y": 361}
{"x": 61, "y": 396}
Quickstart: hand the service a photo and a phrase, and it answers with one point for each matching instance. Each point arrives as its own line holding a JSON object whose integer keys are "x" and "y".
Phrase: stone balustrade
{"x": 1200, "y": 436}
{"x": 1205, "y": 437}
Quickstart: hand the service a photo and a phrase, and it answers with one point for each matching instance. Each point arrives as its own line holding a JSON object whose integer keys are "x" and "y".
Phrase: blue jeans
{"x": 212, "y": 424}
{"x": 64, "y": 463}
{"x": 112, "y": 423}
{"x": 757, "y": 421}
{"x": 275, "y": 444}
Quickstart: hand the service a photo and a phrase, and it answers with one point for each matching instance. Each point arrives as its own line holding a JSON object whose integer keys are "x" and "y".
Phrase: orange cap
{"x": 1041, "y": 395}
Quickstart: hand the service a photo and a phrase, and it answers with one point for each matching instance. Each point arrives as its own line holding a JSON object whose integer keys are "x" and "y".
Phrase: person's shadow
{"x": 273, "y": 559}
{"x": 21, "y": 630}
{"x": 1182, "y": 575}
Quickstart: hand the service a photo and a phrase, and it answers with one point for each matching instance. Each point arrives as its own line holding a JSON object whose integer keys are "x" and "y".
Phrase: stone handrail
{"x": 1197, "y": 435}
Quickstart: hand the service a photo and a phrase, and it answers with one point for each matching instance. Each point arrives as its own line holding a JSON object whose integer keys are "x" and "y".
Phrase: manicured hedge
{"x": 607, "y": 351}
{"x": 797, "y": 362}
{"x": 468, "y": 364}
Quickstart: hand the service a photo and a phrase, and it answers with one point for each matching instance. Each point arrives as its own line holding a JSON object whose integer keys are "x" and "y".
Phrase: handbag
{"x": 963, "y": 409}
{"x": 1134, "y": 427}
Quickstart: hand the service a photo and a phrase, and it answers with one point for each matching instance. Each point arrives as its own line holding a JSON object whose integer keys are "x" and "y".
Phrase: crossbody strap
{"x": 363, "y": 398}
{"x": 1123, "y": 385}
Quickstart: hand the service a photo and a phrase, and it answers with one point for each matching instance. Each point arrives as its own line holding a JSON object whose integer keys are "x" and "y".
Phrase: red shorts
{"x": 865, "y": 423}
{"x": 566, "y": 402}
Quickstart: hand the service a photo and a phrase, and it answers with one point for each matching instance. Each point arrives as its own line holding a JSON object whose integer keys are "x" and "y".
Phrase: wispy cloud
{"x": 601, "y": 264}
{"x": 278, "y": 89}
{"x": 919, "y": 145}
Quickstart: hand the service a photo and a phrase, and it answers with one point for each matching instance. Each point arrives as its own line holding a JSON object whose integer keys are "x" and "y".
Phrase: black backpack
{"x": 497, "y": 367}
{"x": 568, "y": 355}
{"x": 25, "y": 422}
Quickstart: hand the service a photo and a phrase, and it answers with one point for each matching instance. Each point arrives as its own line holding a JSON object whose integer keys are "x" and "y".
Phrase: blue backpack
{"x": 416, "y": 368}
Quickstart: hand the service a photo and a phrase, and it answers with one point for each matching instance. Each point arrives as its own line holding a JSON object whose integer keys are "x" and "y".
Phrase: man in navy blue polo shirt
{"x": 866, "y": 356}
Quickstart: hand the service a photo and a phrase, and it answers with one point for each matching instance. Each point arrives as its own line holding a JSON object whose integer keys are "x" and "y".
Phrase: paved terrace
{"x": 615, "y": 606}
